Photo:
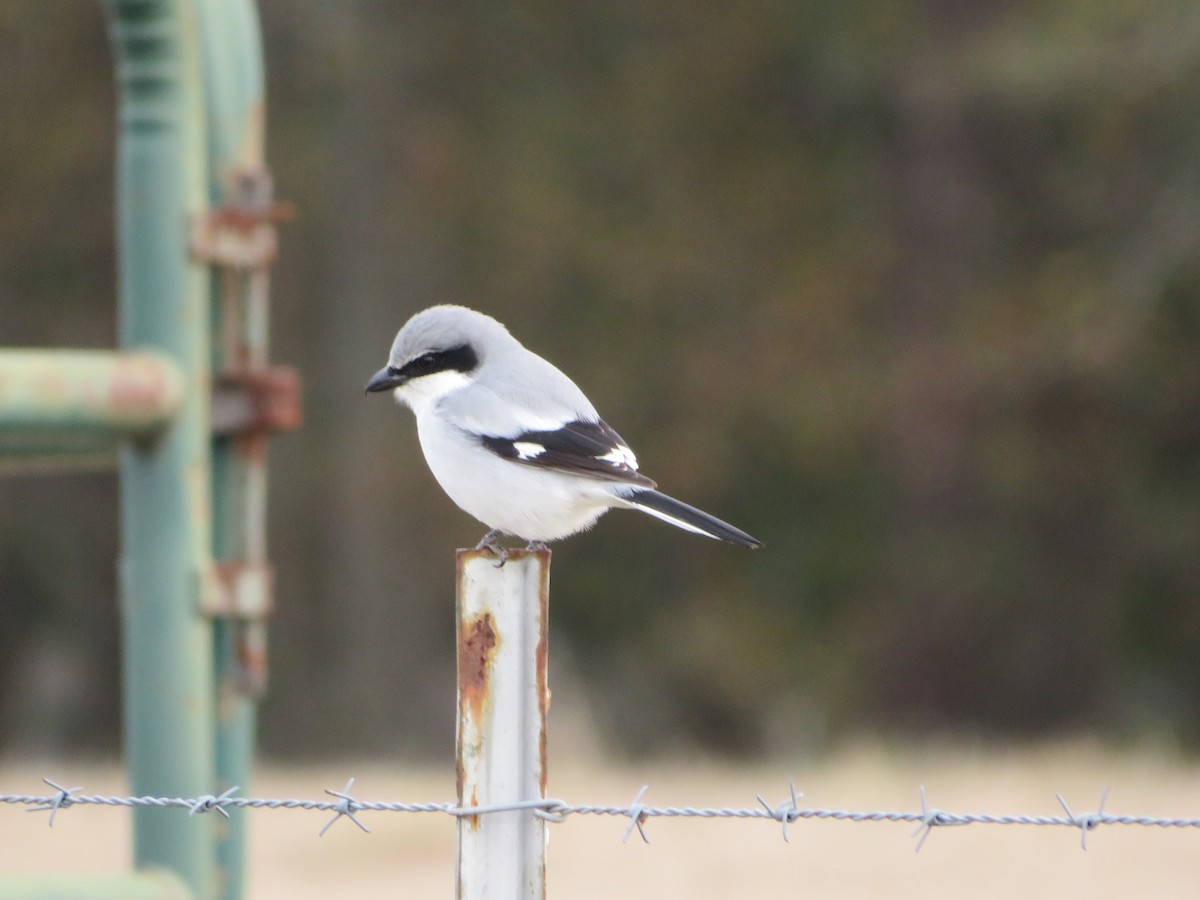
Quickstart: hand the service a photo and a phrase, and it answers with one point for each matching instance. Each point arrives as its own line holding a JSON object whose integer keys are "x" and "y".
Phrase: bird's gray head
{"x": 438, "y": 349}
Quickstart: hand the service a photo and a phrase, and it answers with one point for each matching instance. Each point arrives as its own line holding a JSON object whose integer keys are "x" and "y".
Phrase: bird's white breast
{"x": 533, "y": 503}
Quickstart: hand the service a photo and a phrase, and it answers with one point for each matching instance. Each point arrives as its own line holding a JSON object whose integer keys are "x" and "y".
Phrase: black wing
{"x": 577, "y": 448}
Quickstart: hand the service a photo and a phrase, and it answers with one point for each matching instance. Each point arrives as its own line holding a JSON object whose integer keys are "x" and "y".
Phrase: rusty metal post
{"x": 502, "y": 701}
{"x": 250, "y": 399}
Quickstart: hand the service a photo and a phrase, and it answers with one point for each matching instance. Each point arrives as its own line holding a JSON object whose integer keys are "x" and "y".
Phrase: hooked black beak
{"x": 385, "y": 379}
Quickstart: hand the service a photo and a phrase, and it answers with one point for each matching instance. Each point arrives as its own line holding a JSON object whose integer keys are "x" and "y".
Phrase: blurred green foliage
{"x": 910, "y": 291}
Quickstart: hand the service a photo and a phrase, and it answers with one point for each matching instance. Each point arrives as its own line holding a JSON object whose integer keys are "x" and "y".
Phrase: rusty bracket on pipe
{"x": 241, "y": 590}
{"x": 241, "y": 233}
{"x": 256, "y": 402}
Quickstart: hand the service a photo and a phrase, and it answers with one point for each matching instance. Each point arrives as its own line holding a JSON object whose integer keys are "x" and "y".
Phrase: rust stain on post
{"x": 477, "y": 641}
{"x": 476, "y": 644}
{"x": 473, "y": 823}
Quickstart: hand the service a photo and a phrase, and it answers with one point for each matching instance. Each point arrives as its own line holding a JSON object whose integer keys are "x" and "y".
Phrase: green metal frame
{"x": 166, "y": 490}
{"x": 194, "y": 580}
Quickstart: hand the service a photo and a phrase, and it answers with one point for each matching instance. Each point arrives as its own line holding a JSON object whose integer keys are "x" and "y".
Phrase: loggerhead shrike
{"x": 512, "y": 440}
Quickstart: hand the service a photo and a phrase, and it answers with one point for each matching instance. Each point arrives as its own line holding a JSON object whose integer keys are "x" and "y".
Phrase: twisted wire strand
{"x": 555, "y": 810}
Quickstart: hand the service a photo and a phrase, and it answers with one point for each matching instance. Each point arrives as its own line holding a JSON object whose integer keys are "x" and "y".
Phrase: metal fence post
{"x": 502, "y": 701}
{"x": 166, "y": 564}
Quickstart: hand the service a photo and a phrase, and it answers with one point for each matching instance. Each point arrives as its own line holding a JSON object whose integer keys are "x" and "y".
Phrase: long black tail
{"x": 689, "y": 518}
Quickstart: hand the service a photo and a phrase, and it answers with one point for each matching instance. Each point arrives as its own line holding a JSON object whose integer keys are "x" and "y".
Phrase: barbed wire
{"x": 345, "y": 805}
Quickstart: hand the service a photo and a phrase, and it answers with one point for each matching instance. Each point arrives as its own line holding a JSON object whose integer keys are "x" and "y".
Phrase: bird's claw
{"x": 491, "y": 541}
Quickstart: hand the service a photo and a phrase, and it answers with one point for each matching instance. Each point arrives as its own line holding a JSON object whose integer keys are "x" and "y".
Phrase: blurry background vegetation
{"x": 910, "y": 291}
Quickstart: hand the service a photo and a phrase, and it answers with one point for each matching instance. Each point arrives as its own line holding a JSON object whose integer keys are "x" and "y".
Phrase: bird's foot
{"x": 536, "y": 547}
{"x": 491, "y": 541}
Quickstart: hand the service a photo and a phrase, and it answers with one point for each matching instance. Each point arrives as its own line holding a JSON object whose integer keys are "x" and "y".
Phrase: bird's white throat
{"x": 421, "y": 393}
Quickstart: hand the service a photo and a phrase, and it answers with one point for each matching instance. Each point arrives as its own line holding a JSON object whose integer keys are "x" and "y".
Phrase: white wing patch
{"x": 620, "y": 455}
{"x": 586, "y": 449}
{"x": 528, "y": 449}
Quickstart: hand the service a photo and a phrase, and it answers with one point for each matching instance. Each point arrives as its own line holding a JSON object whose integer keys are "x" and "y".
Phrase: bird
{"x": 513, "y": 441}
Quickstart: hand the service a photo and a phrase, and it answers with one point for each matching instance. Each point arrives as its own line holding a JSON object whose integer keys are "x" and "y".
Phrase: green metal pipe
{"x": 234, "y": 90}
{"x": 80, "y": 399}
{"x": 94, "y": 886}
{"x": 166, "y": 565}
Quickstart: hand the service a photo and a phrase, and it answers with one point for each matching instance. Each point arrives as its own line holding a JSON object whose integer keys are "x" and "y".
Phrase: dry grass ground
{"x": 413, "y": 855}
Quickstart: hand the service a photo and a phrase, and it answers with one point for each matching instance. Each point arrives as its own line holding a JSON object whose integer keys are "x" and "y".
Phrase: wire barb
{"x": 932, "y": 817}
{"x": 208, "y": 802}
{"x": 344, "y": 807}
{"x": 637, "y": 815}
{"x": 1088, "y": 821}
{"x": 786, "y": 812}
{"x": 61, "y": 800}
